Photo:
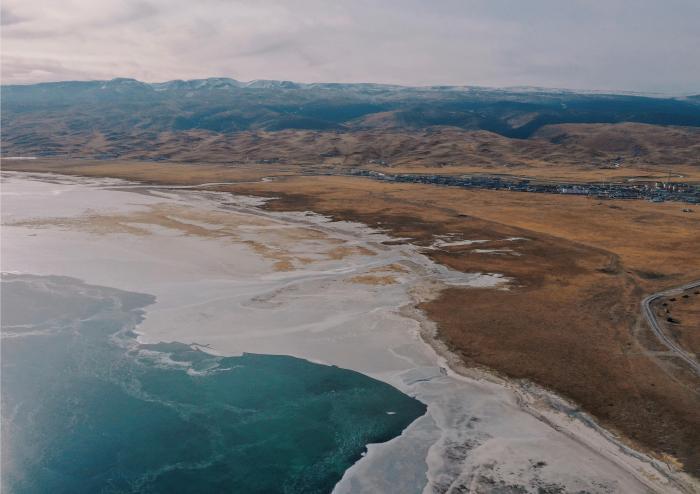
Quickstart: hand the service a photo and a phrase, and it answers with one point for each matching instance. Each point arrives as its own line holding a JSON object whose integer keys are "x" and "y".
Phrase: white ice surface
{"x": 479, "y": 434}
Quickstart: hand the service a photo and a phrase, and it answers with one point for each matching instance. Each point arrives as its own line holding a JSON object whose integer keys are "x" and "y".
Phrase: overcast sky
{"x": 638, "y": 45}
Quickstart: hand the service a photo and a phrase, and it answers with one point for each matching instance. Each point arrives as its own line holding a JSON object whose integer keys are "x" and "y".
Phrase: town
{"x": 652, "y": 191}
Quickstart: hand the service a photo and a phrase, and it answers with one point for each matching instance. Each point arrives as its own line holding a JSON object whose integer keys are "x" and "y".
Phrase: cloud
{"x": 640, "y": 45}
{"x": 8, "y": 17}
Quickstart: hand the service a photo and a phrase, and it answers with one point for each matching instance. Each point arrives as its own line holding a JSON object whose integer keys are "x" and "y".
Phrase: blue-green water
{"x": 85, "y": 408}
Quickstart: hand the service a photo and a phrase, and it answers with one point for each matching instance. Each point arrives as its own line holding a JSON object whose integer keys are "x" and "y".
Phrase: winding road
{"x": 654, "y": 324}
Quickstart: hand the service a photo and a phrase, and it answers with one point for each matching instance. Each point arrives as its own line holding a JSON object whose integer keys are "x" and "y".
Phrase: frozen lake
{"x": 232, "y": 278}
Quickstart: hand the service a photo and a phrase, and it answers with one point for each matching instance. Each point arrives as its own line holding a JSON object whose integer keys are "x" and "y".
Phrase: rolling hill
{"x": 225, "y": 120}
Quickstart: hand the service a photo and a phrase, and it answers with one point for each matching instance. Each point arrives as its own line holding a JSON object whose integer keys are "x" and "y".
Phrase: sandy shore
{"x": 233, "y": 278}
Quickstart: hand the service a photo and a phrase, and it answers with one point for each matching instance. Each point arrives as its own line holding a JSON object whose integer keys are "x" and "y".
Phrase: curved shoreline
{"x": 532, "y": 397}
{"x": 479, "y": 381}
{"x": 528, "y": 393}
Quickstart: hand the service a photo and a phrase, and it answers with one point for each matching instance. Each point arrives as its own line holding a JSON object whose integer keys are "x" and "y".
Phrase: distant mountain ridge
{"x": 228, "y": 82}
{"x": 36, "y": 117}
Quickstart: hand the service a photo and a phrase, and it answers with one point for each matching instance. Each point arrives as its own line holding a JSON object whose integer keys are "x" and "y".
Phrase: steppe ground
{"x": 680, "y": 318}
{"x": 579, "y": 268}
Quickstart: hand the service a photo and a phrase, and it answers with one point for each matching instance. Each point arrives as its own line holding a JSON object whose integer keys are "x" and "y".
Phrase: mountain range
{"x": 122, "y": 114}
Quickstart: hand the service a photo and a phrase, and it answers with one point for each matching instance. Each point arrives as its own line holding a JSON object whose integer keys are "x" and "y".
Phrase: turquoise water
{"x": 85, "y": 408}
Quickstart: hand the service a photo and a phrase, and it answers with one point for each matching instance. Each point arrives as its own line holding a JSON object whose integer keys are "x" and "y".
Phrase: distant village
{"x": 651, "y": 191}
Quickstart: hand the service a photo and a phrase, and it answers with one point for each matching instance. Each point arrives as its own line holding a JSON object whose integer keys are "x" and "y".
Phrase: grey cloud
{"x": 45, "y": 71}
{"x": 7, "y": 17}
{"x": 641, "y": 45}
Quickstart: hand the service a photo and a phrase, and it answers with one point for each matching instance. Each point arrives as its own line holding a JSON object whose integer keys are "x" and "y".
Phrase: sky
{"x": 633, "y": 45}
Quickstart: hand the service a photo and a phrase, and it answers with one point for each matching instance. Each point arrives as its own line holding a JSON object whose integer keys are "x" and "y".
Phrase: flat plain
{"x": 570, "y": 319}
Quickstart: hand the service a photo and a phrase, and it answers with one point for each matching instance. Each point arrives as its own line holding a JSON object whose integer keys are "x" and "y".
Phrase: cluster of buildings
{"x": 656, "y": 192}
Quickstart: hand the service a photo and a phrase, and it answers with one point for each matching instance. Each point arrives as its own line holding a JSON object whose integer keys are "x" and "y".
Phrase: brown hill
{"x": 651, "y": 144}
{"x": 571, "y": 151}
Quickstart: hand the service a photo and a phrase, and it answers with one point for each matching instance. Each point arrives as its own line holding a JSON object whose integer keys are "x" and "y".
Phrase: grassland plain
{"x": 570, "y": 320}
{"x": 680, "y": 318}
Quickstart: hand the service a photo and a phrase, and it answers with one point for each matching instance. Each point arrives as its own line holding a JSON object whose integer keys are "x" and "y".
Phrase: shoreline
{"x": 451, "y": 363}
{"x": 543, "y": 404}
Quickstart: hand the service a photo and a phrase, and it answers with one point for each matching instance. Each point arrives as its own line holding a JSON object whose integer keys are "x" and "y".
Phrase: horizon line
{"x": 623, "y": 92}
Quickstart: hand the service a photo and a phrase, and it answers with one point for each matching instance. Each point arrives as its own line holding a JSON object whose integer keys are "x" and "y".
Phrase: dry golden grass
{"x": 345, "y": 251}
{"x": 570, "y": 320}
{"x": 372, "y": 279}
{"x": 684, "y": 310}
{"x": 546, "y": 172}
{"x": 148, "y": 171}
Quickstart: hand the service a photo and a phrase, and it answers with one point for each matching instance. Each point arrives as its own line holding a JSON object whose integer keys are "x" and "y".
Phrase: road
{"x": 654, "y": 324}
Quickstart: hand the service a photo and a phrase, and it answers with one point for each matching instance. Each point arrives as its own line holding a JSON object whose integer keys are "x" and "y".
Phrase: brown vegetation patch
{"x": 571, "y": 318}
{"x": 343, "y": 251}
{"x": 679, "y": 316}
{"x": 395, "y": 268}
{"x": 373, "y": 279}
